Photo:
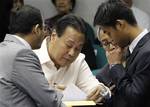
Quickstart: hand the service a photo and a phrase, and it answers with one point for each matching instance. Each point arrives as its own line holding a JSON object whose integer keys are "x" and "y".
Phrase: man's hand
{"x": 112, "y": 89}
{"x": 95, "y": 94}
{"x": 60, "y": 87}
{"x": 115, "y": 55}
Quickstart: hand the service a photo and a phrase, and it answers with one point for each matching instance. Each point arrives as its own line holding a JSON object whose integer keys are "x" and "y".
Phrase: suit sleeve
{"x": 103, "y": 75}
{"x": 133, "y": 88}
{"x": 28, "y": 77}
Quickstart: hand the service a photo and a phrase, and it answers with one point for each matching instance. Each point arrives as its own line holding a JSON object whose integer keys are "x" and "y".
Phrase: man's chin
{"x": 124, "y": 44}
{"x": 65, "y": 64}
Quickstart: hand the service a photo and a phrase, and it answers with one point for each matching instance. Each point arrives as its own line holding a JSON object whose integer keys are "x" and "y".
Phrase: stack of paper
{"x": 73, "y": 93}
{"x": 73, "y": 96}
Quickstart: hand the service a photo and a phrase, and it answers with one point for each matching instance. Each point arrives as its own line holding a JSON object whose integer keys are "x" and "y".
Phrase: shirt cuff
{"x": 111, "y": 65}
{"x": 106, "y": 93}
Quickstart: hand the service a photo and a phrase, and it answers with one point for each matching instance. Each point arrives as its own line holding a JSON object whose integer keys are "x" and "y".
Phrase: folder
{"x": 79, "y": 103}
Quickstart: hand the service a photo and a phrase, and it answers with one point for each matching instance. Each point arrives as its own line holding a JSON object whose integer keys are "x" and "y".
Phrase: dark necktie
{"x": 127, "y": 57}
{"x": 127, "y": 54}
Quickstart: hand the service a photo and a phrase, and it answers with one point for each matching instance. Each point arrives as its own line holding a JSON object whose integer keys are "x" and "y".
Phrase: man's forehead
{"x": 101, "y": 29}
{"x": 74, "y": 41}
{"x": 104, "y": 37}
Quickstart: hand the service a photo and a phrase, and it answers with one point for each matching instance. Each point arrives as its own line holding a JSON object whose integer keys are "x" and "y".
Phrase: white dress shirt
{"x": 136, "y": 40}
{"x": 78, "y": 72}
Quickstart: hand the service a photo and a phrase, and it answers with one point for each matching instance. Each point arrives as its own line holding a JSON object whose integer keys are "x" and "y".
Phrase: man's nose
{"x": 72, "y": 52}
{"x": 111, "y": 46}
{"x": 61, "y": 1}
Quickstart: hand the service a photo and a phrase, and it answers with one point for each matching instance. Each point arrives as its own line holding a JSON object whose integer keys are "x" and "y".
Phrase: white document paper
{"x": 73, "y": 93}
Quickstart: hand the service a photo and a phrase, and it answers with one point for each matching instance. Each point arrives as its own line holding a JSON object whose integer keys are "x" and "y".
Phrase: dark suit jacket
{"x": 104, "y": 76}
{"x": 133, "y": 82}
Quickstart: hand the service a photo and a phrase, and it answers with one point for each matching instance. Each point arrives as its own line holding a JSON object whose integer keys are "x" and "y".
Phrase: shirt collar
{"x": 26, "y": 44}
{"x": 43, "y": 53}
{"x": 137, "y": 39}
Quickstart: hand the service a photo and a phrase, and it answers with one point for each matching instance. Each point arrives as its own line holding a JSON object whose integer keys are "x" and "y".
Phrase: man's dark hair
{"x": 70, "y": 20}
{"x": 23, "y": 20}
{"x": 109, "y": 12}
{"x": 73, "y": 2}
{"x": 122, "y": 1}
{"x": 114, "y": 0}
{"x": 22, "y": 2}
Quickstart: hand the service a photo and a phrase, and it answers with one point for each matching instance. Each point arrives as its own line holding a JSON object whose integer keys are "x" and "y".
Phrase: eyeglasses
{"x": 107, "y": 43}
{"x": 47, "y": 31}
{"x": 98, "y": 33}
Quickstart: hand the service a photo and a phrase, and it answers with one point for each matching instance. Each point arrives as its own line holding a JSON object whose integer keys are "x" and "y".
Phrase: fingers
{"x": 92, "y": 93}
{"x": 95, "y": 94}
{"x": 60, "y": 87}
{"x": 100, "y": 99}
{"x": 112, "y": 87}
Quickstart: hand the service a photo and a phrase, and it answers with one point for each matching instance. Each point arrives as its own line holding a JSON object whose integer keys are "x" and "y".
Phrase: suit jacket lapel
{"x": 137, "y": 48}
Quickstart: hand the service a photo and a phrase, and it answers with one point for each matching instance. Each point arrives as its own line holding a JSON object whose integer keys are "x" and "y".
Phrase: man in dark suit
{"x": 132, "y": 81}
{"x": 104, "y": 75}
{"x": 22, "y": 82}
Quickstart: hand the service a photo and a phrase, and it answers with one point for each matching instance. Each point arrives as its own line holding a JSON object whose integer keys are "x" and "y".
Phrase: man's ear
{"x": 120, "y": 25}
{"x": 53, "y": 36}
{"x": 36, "y": 28}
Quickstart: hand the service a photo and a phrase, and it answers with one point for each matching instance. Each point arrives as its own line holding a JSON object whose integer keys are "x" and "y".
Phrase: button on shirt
{"x": 78, "y": 72}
